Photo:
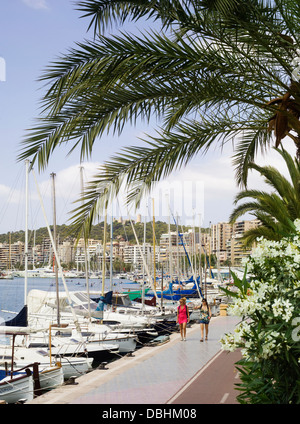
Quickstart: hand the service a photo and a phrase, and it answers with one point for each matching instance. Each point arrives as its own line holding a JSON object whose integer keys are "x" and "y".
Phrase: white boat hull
{"x": 74, "y": 367}
{"x": 90, "y": 349}
{"x": 71, "y": 366}
{"x": 126, "y": 343}
{"x": 51, "y": 377}
{"x": 13, "y": 390}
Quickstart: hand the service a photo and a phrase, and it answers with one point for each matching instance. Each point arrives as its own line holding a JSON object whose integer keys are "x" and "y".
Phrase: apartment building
{"x": 223, "y": 240}
{"x": 65, "y": 252}
{"x": 237, "y": 250}
{"x": 189, "y": 239}
{"x": 226, "y": 241}
{"x": 133, "y": 254}
{"x": 186, "y": 243}
{"x": 168, "y": 246}
{"x": 11, "y": 254}
{"x": 220, "y": 234}
{"x": 92, "y": 252}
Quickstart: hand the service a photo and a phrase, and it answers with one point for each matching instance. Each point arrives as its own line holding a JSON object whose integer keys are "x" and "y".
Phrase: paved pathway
{"x": 156, "y": 375}
{"x": 214, "y": 384}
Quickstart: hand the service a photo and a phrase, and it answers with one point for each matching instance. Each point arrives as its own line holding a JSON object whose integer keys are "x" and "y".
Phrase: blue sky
{"x": 32, "y": 34}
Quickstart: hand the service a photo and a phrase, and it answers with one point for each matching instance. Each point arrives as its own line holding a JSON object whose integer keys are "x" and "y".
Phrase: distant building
{"x": 133, "y": 254}
{"x": 11, "y": 254}
{"x": 220, "y": 234}
{"x": 226, "y": 241}
{"x": 223, "y": 240}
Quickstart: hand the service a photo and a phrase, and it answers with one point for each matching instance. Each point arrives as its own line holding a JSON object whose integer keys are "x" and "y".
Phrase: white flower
{"x": 271, "y": 300}
{"x": 288, "y": 310}
{"x": 277, "y": 307}
{"x": 227, "y": 343}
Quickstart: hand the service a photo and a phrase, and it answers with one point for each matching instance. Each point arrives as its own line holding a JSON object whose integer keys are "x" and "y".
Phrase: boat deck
{"x": 152, "y": 375}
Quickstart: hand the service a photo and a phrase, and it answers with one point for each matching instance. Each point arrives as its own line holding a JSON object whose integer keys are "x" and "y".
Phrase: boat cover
{"x": 20, "y": 320}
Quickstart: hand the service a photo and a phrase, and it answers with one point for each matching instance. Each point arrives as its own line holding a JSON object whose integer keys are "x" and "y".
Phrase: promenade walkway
{"x": 154, "y": 375}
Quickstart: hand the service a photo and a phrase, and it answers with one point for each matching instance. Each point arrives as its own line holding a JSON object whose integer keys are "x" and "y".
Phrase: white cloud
{"x": 215, "y": 191}
{"x": 67, "y": 189}
{"x": 9, "y": 196}
{"x": 207, "y": 191}
{"x": 185, "y": 194}
{"x": 36, "y": 4}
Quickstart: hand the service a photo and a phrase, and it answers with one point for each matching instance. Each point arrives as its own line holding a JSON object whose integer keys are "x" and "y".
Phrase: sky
{"x": 33, "y": 33}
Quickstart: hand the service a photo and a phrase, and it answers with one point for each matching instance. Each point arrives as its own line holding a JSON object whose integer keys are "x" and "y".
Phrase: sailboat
{"x": 53, "y": 374}
{"x": 52, "y": 312}
{"x": 13, "y": 388}
{"x": 108, "y": 328}
{"x": 50, "y": 376}
{"x": 188, "y": 288}
{"x": 71, "y": 367}
{"x": 17, "y": 379}
{"x": 67, "y": 346}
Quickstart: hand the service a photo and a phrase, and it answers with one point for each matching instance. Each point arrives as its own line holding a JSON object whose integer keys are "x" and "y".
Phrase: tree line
{"x": 120, "y": 230}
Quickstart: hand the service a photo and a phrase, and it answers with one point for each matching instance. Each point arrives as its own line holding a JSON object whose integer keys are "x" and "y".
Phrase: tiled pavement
{"x": 153, "y": 375}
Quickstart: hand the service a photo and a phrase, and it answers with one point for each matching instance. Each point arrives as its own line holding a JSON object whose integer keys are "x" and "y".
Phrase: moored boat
{"x": 14, "y": 389}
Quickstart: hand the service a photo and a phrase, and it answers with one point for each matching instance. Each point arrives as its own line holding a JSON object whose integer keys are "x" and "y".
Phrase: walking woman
{"x": 183, "y": 317}
{"x": 205, "y": 316}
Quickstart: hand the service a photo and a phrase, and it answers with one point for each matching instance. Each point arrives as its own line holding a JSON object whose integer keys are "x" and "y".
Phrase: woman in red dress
{"x": 183, "y": 317}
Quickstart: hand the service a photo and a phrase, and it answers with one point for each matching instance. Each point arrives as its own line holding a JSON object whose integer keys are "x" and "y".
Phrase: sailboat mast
{"x": 111, "y": 252}
{"x": 190, "y": 263}
{"x": 154, "y": 264}
{"x": 104, "y": 251}
{"x": 170, "y": 244}
{"x": 177, "y": 249}
{"x": 144, "y": 261}
{"x": 33, "y": 250}
{"x": 57, "y": 258}
{"x": 85, "y": 251}
{"x": 9, "y": 251}
{"x": 26, "y": 233}
{"x": 144, "y": 250}
{"x": 55, "y": 242}
{"x": 200, "y": 245}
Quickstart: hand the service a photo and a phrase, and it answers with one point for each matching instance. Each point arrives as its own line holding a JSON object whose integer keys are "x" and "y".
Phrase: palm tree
{"x": 217, "y": 71}
{"x": 276, "y": 210}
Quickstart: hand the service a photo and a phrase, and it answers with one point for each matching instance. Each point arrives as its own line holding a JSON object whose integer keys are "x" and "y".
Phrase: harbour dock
{"x": 185, "y": 372}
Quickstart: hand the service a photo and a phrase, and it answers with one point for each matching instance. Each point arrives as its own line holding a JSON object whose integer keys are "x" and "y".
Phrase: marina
{"x": 122, "y": 330}
{"x": 53, "y": 319}
{"x": 152, "y": 375}
{"x": 159, "y": 243}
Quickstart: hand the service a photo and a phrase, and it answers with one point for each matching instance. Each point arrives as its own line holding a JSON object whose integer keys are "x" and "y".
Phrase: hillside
{"x": 119, "y": 229}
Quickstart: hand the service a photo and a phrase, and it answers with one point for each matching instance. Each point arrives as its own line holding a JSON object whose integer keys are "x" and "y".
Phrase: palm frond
{"x": 103, "y": 86}
{"x": 105, "y": 12}
{"x": 276, "y": 210}
{"x": 251, "y": 236}
{"x": 141, "y": 167}
{"x": 217, "y": 71}
{"x": 250, "y": 142}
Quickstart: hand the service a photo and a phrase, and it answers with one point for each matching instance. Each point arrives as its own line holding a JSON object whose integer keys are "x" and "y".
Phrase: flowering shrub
{"x": 269, "y": 331}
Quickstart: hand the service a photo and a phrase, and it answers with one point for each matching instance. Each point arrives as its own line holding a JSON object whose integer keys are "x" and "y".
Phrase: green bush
{"x": 268, "y": 334}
